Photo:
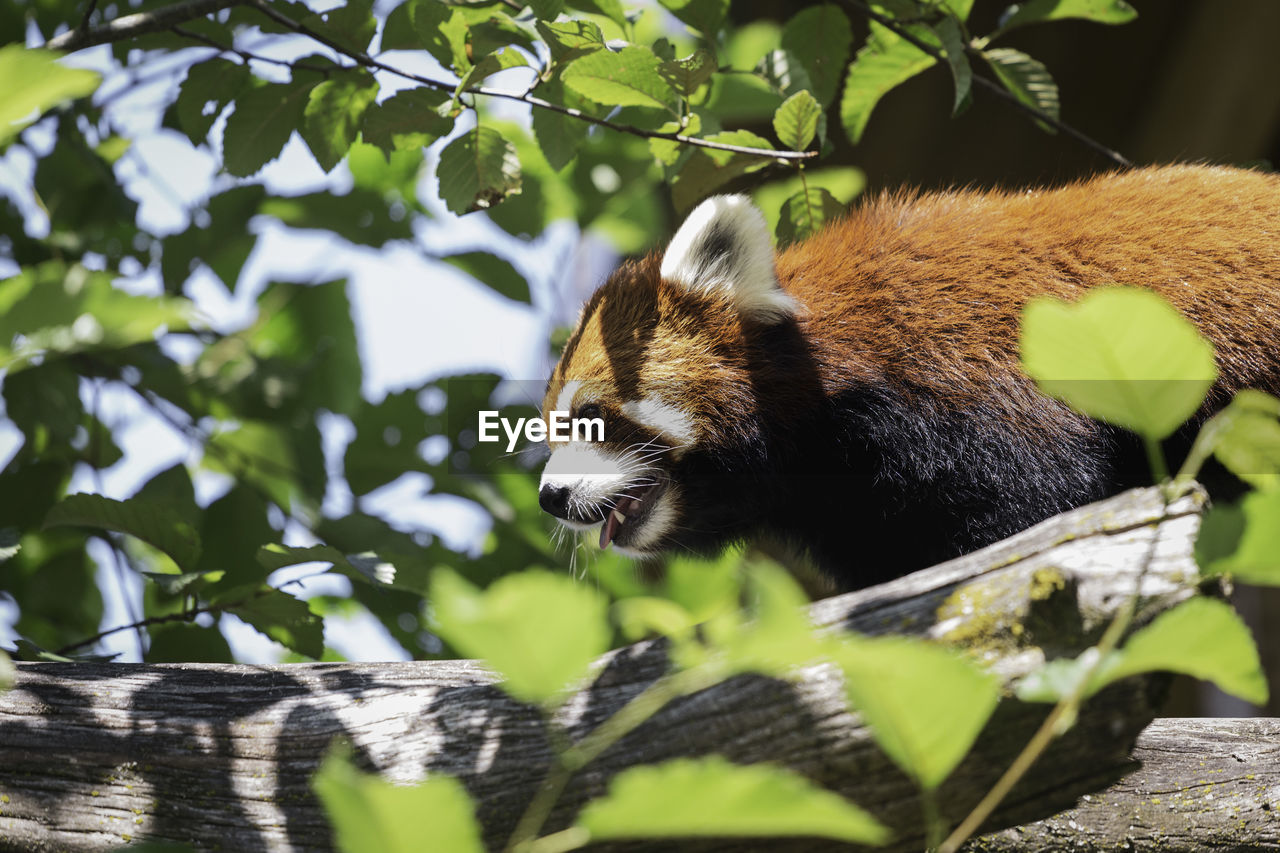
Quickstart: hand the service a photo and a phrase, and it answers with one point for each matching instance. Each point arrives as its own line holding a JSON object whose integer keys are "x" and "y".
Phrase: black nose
{"x": 555, "y": 500}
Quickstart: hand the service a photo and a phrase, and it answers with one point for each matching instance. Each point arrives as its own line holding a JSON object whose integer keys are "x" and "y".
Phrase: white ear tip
{"x": 724, "y": 247}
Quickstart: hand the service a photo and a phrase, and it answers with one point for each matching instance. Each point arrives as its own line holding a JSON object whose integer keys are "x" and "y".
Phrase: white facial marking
{"x": 656, "y": 526}
{"x": 590, "y": 473}
{"x": 663, "y": 418}
{"x": 564, "y": 400}
{"x": 724, "y": 246}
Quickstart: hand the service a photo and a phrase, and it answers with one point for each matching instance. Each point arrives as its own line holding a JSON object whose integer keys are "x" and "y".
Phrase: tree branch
{"x": 142, "y": 23}
{"x": 367, "y": 61}
{"x": 991, "y": 86}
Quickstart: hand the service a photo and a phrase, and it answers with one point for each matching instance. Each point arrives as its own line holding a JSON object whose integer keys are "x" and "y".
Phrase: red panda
{"x": 858, "y": 395}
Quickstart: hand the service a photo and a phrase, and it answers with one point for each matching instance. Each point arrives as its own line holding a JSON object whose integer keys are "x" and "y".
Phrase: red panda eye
{"x": 589, "y": 411}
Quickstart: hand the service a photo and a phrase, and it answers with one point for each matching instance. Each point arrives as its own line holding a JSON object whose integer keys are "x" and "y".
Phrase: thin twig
{"x": 326, "y": 70}
{"x": 83, "y": 26}
{"x": 367, "y": 61}
{"x": 990, "y": 85}
{"x": 140, "y": 24}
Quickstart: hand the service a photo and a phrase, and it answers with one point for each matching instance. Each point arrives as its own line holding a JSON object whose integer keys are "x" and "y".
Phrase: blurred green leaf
{"x": 10, "y": 543}
{"x": 183, "y": 643}
{"x": 1039, "y": 11}
{"x": 264, "y": 119}
{"x": 1202, "y": 637}
{"x": 539, "y": 630}
{"x": 478, "y": 170}
{"x": 153, "y": 523}
{"x": 350, "y": 25}
{"x": 406, "y": 120}
{"x": 707, "y": 168}
{"x": 1122, "y": 355}
{"x": 7, "y": 671}
{"x": 820, "y": 36}
{"x": 1246, "y": 438}
{"x": 925, "y": 704}
{"x": 333, "y": 115}
{"x": 369, "y": 813}
{"x": 493, "y": 272}
{"x": 705, "y": 16}
{"x": 360, "y": 216}
{"x": 953, "y": 46}
{"x": 35, "y": 82}
{"x": 714, "y": 797}
{"x": 207, "y": 90}
{"x": 1243, "y": 539}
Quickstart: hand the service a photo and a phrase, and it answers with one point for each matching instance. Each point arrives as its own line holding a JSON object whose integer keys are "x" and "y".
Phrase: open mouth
{"x": 630, "y": 510}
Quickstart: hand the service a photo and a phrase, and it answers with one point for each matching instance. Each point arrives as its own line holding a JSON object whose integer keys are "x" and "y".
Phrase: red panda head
{"x": 667, "y": 354}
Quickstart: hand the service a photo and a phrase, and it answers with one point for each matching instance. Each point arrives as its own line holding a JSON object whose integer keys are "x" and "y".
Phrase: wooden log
{"x": 218, "y": 756}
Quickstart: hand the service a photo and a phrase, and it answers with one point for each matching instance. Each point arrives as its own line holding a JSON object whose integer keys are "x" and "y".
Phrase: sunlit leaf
{"x": 844, "y": 184}
{"x": 687, "y": 75}
{"x": 796, "y": 121}
{"x": 881, "y": 64}
{"x": 706, "y": 16}
{"x": 1027, "y": 79}
{"x": 806, "y": 213}
{"x": 1121, "y": 355}
{"x": 539, "y": 630}
{"x": 1203, "y": 637}
{"x": 925, "y": 704}
{"x": 477, "y": 170}
{"x": 153, "y": 523}
{"x": 1246, "y": 438}
{"x": 369, "y": 813}
{"x": 1243, "y": 539}
{"x": 1039, "y": 11}
{"x": 333, "y": 114}
{"x": 568, "y": 40}
{"x": 714, "y": 797}
{"x": 406, "y": 120}
{"x": 34, "y": 81}
{"x": 628, "y": 78}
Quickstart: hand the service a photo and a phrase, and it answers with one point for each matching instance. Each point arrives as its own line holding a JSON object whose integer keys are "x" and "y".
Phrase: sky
{"x": 415, "y": 319}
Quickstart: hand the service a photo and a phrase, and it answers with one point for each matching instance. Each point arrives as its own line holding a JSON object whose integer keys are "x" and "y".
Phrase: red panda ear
{"x": 724, "y": 248}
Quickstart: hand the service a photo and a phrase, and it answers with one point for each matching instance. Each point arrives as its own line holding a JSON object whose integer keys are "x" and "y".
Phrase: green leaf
{"x": 369, "y": 813}
{"x": 925, "y": 704}
{"x": 477, "y": 170}
{"x": 429, "y": 25}
{"x": 153, "y": 523}
{"x": 285, "y": 619}
{"x": 187, "y": 583}
{"x": 687, "y": 75}
{"x": 539, "y": 630}
{"x": 1243, "y": 539}
{"x": 333, "y": 116}
{"x": 560, "y": 136}
{"x": 1039, "y": 11}
{"x": 806, "y": 213}
{"x": 406, "y": 120}
{"x": 708, "y": 168}
{"x": 55, "y": 308}
{"x": 34, "y": 82}
{"x": 796, "y": 121}
{"x": 881, "y": 65}
{"x": 547, "y": 10}
{"x": 1203, "y": 638}
{"x": 844, "y": 184}
{"x": 784, "y": 71}
{"x": 7, "y": 671}
{"x": 821, "y": 37}
{"x": 493, "y": 272}
{"x": 1122, "y": 355}
{"x": 778, "y": 638}
{"x": 953, "y": 45}
{"x": 713, "y": 797}
{"x": 350, "y": 25}
{"x": 208, "y": 88}
{"x": 507, "y": 57}
{"x": 1246, "y": 438}
{"x": 628, "y": 78}
{"x": 668, "y": 151}
{"x": 361, "y": 216}
{"x": 705, "y": 16}
{"x": 569, "y": 40}
{"x": 262, "y": 123}
{"x": 1026, "y": 79}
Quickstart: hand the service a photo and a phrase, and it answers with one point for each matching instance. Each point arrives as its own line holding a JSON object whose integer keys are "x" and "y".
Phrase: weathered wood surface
{"x": 1198, "y": 784}
{"x": 92, "y": 756}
